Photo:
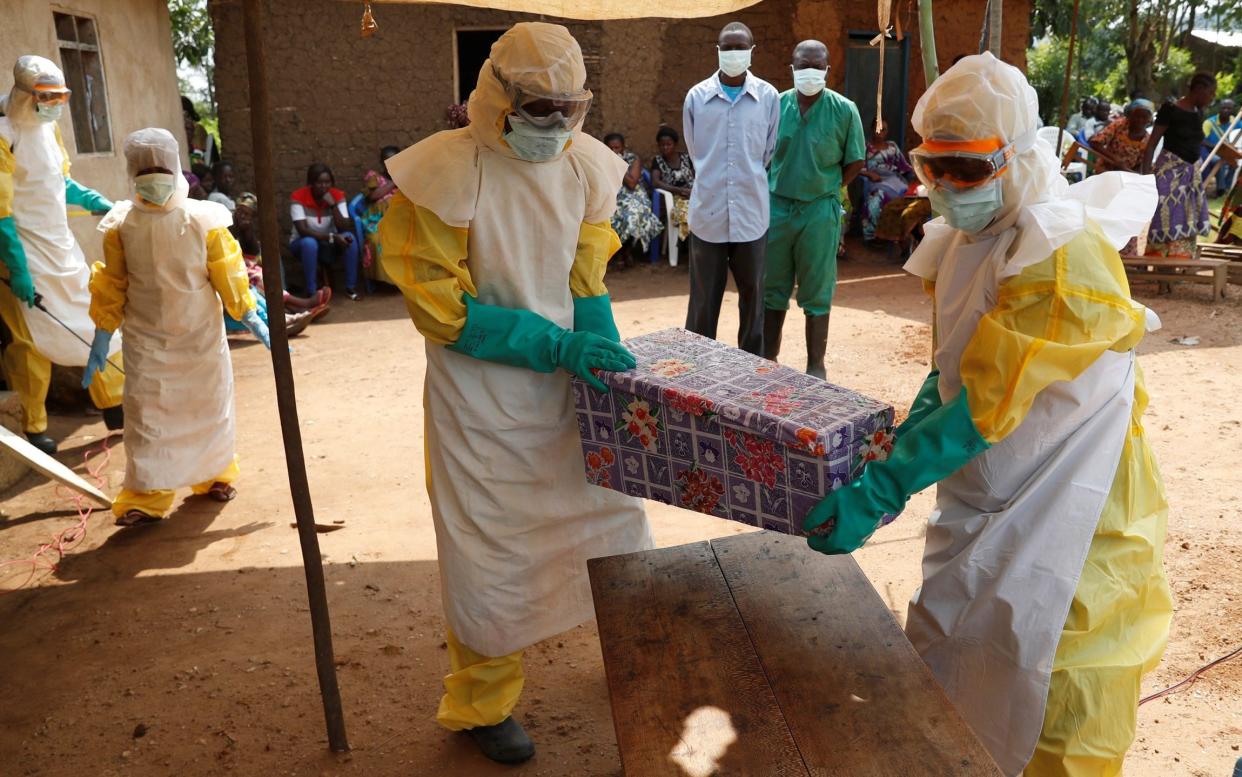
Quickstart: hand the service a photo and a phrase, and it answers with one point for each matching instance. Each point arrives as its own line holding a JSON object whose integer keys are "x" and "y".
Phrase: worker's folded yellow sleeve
{"x": 109, "y": 284}
{"x": 596, "y": 245}
{"x": 227, "y": 270}
{"x": 426, "y": 258}
{"x": 1051, "y": 322}
{"x": 8, "y": 166}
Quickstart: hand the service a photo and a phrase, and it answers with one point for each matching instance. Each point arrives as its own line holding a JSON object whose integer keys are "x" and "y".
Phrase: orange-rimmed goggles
{"x": 961, "y": 164}
{"x": 48, "y": 94}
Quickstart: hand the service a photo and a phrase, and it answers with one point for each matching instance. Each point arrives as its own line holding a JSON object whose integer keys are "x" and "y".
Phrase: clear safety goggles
{"x": 546, "y": 110}
{"x": 50, "y": 95}
{"x": 961, "y": 164}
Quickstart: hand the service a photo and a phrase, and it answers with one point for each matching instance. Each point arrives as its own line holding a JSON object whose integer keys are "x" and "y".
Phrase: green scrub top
{"x": 812, "y": 149}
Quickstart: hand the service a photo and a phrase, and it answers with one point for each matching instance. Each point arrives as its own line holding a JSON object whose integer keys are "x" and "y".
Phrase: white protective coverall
{"x": 515, "y": 518}
{"x": 34, "y": 160}
{"x": 1043, "y": 598}
{"x": 166, "y": 273}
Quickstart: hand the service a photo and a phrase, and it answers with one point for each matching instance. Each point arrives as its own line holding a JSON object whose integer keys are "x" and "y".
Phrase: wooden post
{"x": 286, "y": 402}
{"x": 1065, "y": 89}
{"x": 927, "y": 43}
{"x": 994, "y": 26}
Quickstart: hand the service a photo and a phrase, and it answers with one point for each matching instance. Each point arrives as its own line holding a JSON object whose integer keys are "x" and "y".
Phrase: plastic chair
{"x": 357, "y": 211}
{"x": 666, "y": 199}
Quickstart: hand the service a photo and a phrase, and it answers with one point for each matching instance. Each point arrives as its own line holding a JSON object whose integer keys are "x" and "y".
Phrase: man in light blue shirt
{"x": 730, "y": 122}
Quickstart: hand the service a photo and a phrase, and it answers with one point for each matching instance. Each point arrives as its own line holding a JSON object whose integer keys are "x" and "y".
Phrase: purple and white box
{"x": 708, "y": 427}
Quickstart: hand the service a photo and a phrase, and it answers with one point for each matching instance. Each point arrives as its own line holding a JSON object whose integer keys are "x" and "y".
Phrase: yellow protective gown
{"x": 1043, "y": 599}
{"x": 515, "y": 519}
{"x": 166, "y": 272}
{"x": 33, "y": 169}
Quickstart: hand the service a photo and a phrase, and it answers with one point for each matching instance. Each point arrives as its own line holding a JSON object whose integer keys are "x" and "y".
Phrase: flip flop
{"x": 294, "y": 324}
{"x": 221, "y": 492}
{"x": 136, "y": 518}
{"x": 319, "y": 312}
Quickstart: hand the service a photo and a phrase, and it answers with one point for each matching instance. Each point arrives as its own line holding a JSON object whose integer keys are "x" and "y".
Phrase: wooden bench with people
{"x": 754, "y": 654}
{"x": 1201, "y": 269}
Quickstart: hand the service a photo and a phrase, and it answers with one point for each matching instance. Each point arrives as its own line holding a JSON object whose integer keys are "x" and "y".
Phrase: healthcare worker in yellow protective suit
{"x": 40, "y": 254}
{"x": 498, "y": 237}
{"x": 1043, "y": 599}
{"x": 169, "y": 263}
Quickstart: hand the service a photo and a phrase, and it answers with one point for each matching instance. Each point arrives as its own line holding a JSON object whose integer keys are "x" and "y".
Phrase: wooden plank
{"x": 857, "y": 697}
{"x": 688, "y": 693}
{"x": 20, "y": 447}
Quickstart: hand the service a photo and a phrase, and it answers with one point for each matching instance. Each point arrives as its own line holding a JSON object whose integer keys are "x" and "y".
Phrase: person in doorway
{"x": 633, "y": 221}
{"x": 1043, "y": 591}
{"x": 323, "y": 229}
{"x": 672, "y": 171}
{"x": 1182, "y": 216}
{"x": 886, "y": 177}
{"x": 1214, "y": 129}
{"x": 820, "y": 149}
{"x": 202, "y": 148}
{"x": 225, "y": 182}
{"x": 1122, "y": 143}
{"x": 169, "y": 263}
{"x": 730, "y": 123}
{"x": 498, "y": 237}
{"x": 44, "y": 296}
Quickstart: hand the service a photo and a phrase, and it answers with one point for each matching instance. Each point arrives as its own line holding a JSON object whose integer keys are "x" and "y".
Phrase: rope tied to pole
{"x": 883, "y": 14}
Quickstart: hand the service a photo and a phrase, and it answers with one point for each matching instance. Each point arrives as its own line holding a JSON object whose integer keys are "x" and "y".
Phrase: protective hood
{"x": 155, "y": 147}
{"x": 538, "y": 57}
{"x": 30, "y": 72}
{"x": 982, "y": 97}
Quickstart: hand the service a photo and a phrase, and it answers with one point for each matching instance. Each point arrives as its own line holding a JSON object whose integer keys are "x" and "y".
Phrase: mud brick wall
{"x": 338, "y": 98}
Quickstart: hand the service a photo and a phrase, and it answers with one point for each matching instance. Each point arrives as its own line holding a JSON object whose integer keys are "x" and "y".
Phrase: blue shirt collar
{"x": 749, "y": 87}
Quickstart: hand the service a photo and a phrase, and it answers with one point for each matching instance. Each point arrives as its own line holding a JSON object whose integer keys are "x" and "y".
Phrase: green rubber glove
{"x": 13, "y": 254}
{"x": 594, "y": 314}
{"x": 87, "y": 199}
{"x": 926, "y": 401}
{"x": 927, "y": 452}
{"x": 521, "y": 338}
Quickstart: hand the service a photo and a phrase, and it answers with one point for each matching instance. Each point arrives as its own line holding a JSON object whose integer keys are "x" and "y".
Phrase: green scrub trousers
{"x": 802, "y": 248}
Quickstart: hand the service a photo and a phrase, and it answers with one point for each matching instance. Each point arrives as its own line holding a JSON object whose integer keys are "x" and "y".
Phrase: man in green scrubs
{"x": 819, "y": 149}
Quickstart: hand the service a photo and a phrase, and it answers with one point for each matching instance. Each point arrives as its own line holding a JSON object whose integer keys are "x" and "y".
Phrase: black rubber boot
{"x": 773, "y": 323}
{"x": 42, "y": 442}
{"x": 816, "y": 345}
{"x": 505, "y": 743}
{"x": 114, "y": 418}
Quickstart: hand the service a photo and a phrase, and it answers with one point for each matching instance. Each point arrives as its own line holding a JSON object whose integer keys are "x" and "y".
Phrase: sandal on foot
{"x": 221, "y": 492}
{"x": 136, "y": 518}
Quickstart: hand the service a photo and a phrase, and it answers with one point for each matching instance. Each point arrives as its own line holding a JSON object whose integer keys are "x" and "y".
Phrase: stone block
{"x": 12, "y": 469}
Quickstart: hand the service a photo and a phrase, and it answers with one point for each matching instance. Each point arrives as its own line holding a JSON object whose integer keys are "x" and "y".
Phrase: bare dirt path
{"x": 195, "y": 631}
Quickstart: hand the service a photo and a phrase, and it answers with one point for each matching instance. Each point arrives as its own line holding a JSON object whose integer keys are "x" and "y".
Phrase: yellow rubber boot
{"x": 28, "y": 372}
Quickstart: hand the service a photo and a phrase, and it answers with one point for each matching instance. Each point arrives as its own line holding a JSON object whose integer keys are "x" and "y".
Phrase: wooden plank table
{"x": 1156, "y": 268}
{"x": 754, "y": 655}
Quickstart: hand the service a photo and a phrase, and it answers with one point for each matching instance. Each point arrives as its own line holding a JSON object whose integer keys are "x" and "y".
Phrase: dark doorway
{"x": 473, "y": 47}
{"x": 862, "y": 71}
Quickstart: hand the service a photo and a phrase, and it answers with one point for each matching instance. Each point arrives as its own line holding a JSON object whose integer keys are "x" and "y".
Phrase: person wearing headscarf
{"x": 498, "y": 236}
{"x": 45, "y": 273}
{"x": 1121, "y": 143}
{"x": 169, "y": 263}
{"x": 1043, "y": 600}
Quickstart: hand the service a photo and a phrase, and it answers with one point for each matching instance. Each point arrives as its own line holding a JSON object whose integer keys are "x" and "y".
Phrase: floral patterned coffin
{"x": 711, "y": 428}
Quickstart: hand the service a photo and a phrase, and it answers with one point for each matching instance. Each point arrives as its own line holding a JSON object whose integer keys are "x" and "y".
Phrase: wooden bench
{"x": 1159, "y": 268}
{"x": 754, "y": 655}
{"x": 1227, "y": 252}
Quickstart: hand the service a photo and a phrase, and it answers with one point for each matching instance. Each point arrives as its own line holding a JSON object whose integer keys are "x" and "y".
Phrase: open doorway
{"x": 471, "y": 46}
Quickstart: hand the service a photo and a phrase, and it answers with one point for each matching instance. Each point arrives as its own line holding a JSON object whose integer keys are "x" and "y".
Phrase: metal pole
{"x": 1065, "y": 90}
{"x": 994, "y": 26}
{"x": 286, "y": 402}
{"x": 927, "y": 43}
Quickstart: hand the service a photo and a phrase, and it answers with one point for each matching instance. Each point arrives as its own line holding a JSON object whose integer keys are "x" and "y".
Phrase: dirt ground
{"x": 196, "y": 631}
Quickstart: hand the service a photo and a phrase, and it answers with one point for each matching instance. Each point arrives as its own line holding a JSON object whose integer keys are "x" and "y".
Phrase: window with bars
{"x": 83, "y": 65}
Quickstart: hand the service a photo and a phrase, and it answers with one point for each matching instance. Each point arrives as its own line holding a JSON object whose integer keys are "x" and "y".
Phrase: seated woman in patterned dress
{"x": 634, "y": 222}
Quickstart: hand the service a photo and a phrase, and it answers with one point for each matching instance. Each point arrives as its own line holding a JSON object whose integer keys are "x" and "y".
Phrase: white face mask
{"x": 535, "y": 144}
{"x": 971, "y": 210}
{"x": 810, "y": 81}
{"x": 156, "y": 188}
{"x": 734, "y": 63}
{"x": 50, "y": 112}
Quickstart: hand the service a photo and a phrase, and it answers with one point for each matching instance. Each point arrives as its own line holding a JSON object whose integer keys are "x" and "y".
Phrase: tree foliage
{"x": 194, "y": 40}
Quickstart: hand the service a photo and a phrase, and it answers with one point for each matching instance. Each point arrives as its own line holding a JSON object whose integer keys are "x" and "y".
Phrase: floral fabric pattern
{"x": 710, "y": 428}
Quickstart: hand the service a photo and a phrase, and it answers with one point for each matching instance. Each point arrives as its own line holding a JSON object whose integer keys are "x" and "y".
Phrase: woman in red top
{"x": 323, "y": 229}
